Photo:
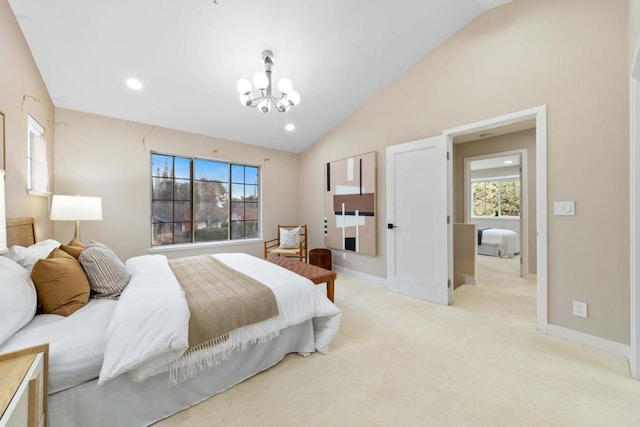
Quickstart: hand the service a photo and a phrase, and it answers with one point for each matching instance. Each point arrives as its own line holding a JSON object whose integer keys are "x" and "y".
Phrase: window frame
{"x": 35, "y": 128}
{"x": 194, "y": 244}
{"x": 499, "y": 180}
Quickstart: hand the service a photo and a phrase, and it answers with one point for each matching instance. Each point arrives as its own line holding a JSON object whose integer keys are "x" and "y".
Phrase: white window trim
{"x": 200, "y": 245}
{"x": 217, "y": 243}
{"x": 33, "y": 128}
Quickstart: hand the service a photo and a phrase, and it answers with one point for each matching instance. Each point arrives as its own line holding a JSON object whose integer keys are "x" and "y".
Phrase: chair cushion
{"x": 289, "y": 239}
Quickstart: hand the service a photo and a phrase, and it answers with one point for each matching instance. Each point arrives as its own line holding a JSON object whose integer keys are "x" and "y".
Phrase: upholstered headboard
{"x": 20, "y": 231}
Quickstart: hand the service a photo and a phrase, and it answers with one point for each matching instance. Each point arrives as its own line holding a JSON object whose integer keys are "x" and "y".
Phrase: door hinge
{"x": 448, "y": 219}
{"x": 447, "y": 155}
{"x": 449, "y": 283}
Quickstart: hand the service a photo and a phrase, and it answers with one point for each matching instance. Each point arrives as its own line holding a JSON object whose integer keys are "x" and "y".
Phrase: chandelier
{"x": 265, "y": 97}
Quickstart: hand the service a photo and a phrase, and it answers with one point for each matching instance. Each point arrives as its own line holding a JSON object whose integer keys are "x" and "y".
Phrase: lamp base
{"x": 76, "y": 235}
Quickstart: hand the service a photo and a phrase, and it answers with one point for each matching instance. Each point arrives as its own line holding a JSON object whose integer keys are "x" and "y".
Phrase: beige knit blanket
{"x": 220, "y": 299}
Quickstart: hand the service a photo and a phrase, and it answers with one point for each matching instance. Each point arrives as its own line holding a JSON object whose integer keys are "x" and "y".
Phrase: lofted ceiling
{"x": 190, "y": 54}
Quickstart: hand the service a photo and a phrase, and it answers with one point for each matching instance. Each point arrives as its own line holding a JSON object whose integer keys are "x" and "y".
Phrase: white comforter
{"x": 149, "y": 328}
{"x": 507, "y": 241}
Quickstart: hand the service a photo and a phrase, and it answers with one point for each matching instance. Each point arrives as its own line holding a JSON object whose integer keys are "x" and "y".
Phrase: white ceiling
{"x": 190, "y": 54}
{"x": 495, "y": 162}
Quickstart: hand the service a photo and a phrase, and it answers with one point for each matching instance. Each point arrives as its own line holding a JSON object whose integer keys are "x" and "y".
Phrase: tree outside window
{"x": 495, "y": 197}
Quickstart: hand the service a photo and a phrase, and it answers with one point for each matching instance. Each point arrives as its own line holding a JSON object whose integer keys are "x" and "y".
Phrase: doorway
{"x": 534, "y": 118}
{"x": 440, "y": 290}
{"x": 496, "y": 197}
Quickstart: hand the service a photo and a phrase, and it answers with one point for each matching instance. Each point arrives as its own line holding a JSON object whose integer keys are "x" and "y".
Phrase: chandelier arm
{"x": 253, "y": 102}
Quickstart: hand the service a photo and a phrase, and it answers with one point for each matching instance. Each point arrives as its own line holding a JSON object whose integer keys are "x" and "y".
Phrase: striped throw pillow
{"x": 107, "y": 275}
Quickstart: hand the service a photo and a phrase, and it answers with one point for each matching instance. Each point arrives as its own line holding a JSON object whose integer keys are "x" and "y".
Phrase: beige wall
{"x": 101, "y": 156}
{"x": 19, "y": 76}
{"x": 514, "y": 141}
{"x": 570, "y": 55}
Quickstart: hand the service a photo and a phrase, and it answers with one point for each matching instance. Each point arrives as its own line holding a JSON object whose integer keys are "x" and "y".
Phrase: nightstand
{"x": 24, "y": 387}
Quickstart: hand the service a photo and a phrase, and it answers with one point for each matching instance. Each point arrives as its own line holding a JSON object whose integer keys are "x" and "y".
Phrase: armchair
{"x": 291, "y": 242}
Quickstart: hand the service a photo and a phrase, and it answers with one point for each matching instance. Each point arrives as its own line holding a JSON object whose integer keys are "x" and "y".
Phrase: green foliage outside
{"x": 496, "y": 198}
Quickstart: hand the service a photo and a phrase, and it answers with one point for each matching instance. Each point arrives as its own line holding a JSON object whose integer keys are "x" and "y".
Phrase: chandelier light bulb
{"x": 283, "y": 105}
{"x": 245, "y": 99}
{"x": 244, "y": 86}
{"x": 294, "y": 97}
{"x": 260, "y": 81}
{"x": 285, "y": 85}
{"x": 265, "y": 105}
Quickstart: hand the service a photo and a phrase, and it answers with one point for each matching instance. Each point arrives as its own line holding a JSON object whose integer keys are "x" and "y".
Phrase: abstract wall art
{"x": 350, "y": 204}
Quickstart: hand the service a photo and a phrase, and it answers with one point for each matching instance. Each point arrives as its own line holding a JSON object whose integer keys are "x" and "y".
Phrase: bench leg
{"x": 330, "y": 289}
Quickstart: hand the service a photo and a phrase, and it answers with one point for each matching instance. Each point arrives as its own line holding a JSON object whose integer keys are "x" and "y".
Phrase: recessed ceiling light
{"x": 290, "y": 127}
{"x": 508, "y": 162}
{"x": 134, "y": 84}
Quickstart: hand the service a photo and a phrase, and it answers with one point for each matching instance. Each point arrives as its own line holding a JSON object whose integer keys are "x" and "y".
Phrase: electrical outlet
{"x": 344, "y": 255}
{"x": 580, "y": 309}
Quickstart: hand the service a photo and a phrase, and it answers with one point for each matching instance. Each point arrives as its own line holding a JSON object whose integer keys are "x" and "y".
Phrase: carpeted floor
{"x": 398, "y": 361}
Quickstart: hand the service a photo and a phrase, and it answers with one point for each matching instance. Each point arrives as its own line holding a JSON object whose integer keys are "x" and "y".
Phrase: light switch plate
{"x": 564, "y": 208}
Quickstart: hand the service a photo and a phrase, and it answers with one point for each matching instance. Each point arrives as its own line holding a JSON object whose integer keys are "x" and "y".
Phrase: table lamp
{"x": 76, "y": 208}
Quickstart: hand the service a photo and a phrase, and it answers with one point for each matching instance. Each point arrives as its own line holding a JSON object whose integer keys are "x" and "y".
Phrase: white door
{"x": 417, "y": 230}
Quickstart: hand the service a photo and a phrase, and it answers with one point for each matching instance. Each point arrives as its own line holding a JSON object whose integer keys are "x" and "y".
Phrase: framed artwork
{"x": 3, "y": 165}
{"x": 350, "y": 204}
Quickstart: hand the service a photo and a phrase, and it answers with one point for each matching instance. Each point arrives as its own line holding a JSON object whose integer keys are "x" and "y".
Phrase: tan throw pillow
{"x": 73, "y": 248}
{"x": 290, "y": 239}
{"x": 107, "y": 275}
{"x": 61, "y": 284}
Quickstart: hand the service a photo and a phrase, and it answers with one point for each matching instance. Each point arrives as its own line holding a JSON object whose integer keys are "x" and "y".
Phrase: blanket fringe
{"x": 213, "y": 353}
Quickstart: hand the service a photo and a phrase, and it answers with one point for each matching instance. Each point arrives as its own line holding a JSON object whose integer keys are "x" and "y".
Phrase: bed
{"x": 107, "y": 368}
{"x": 498, "y": 242}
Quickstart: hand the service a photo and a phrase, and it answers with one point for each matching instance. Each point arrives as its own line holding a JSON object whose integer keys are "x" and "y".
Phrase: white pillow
{"x": 290, "y": 239}
{"x": 18, "y": 298}
{"x": 27, "y": 257}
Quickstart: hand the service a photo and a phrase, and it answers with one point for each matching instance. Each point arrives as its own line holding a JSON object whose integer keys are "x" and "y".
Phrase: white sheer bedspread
{"x": 76, "y": 342}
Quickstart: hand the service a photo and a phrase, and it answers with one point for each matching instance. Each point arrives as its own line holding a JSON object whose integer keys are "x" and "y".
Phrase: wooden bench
{"x": 316, "y": 274}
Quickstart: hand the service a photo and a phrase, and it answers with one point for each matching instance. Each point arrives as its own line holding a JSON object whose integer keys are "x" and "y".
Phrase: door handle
{"x": 391, "y": 226}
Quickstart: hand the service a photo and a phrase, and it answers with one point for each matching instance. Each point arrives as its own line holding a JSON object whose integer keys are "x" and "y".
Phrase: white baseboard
{"x": 591, "y": 341}
{"x": 382, "y": 282}
{"x": 530, "y": 276}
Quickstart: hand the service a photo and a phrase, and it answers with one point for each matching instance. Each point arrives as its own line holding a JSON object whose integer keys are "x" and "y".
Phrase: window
{"x": 37, "y": 167}
{"x": 495, "y": 197}
{"x": 191, "y": 200}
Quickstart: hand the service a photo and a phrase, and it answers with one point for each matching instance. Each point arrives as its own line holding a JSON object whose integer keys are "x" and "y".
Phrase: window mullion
{"x": 192, "y": 204}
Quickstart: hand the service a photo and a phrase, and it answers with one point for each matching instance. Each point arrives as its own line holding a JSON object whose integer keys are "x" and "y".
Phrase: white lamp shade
{"x": 260, "y": 80}
{"x": 3, "y": 218}
{"x": 76, "y": 208}
{"x": 285, "y": 85}
{"x": 244, "y": 86}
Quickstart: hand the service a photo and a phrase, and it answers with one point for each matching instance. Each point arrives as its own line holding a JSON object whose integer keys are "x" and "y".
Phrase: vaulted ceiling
{"x": 189, "y": 55}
